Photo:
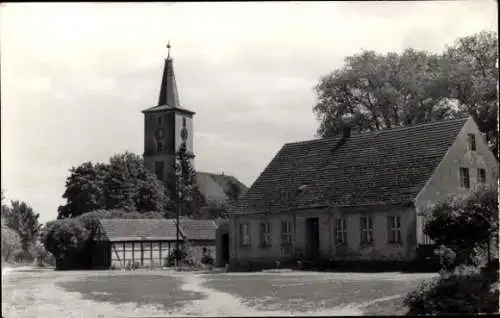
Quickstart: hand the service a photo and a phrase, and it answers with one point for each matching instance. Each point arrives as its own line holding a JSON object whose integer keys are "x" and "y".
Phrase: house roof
{"x": 198, "y": 229}
{"x": 139, "y": 229}
{"x": 384, "y": 167}
{"x": 157, "y": 229}
{"x": 213, "y": 186}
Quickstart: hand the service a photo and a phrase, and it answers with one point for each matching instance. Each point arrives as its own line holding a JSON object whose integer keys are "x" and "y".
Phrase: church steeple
{"x": 168, "y": 90}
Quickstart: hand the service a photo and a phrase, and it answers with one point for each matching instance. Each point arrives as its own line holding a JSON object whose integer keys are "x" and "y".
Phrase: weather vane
{"x": 168, "y": 48}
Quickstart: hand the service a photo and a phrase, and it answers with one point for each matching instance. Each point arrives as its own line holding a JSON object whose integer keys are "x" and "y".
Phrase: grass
{"x": 305, "y": 293}
{"x": 140, "y": 288}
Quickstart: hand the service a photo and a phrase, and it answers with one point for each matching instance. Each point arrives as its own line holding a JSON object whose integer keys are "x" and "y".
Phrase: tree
{"x": 184, "y": 187}
{"x": 11, "y": 242}
{"x": 124, "y": 183}
{"x": 470, "y": 72}
{"x": 233, "y": 191}
{"x": 381, "y": 91}
{"x": 21, "y": 218}
{"x": 465, "y": 223}
{"x": 65, "y": 237}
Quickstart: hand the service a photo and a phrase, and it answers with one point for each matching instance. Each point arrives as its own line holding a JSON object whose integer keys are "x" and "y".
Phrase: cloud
{"x": 75, "y": 76}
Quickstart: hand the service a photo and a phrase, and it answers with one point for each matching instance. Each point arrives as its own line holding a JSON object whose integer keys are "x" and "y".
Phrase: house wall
{"x": 145, "y": 253}
{"x": 446, "y": 179}
{"x": 329, "y": 251}
{"x": 195, "y": 250}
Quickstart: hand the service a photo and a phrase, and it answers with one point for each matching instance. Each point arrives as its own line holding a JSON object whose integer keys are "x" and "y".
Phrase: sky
{"x": 75, "y": 77}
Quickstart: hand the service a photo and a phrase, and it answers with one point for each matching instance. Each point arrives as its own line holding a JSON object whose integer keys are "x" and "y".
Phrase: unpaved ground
{"x": 46, "y": 293}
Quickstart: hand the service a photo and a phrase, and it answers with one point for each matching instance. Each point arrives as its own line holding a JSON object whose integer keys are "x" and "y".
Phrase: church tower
{"x": 166, "y": 126}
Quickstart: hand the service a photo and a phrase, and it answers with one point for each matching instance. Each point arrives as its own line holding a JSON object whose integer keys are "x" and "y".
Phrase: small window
{"x": 286, "y": 233}
{"x": 183, "y": 121}
{"x": 160, "y": 146}
{"x": 472, "y": 142}
{"x": 394, "y": 228}
{"x": 244, "y": 234}
{"x": 366, "y": 230}
{"x": 340, "y": 231}
{"x": 265, "y": 234}
{"x": 481, "y": 175}
{"x": 464, "y": 178}
{"x": 159, "y": 169}
{"x": 159, "y": 120}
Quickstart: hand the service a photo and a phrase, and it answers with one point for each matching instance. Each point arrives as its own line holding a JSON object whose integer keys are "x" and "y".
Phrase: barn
{"x": 148, "y": 242}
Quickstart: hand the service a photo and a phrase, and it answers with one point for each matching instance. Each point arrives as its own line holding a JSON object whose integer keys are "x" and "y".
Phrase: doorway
{"x": 312, "y": 239}
{"x": 225, "y": 248}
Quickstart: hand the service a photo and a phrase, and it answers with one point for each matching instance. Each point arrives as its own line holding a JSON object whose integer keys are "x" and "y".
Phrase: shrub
{"x": 11, "y": 241}
{"x": 173, "y": 256}
{"x": 207, "y": 259}
{"x": 464, "y": 291}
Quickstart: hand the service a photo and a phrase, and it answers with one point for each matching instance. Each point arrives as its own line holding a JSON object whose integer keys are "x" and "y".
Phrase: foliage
{"x": 465, "y": 223}
{"x": 233, "y": 191}
{"x": 124, "y": 183}
{"x": 180, "y": 255}
{"x": 184, "y": 188}
{"x": 10, "y": 242}
{"x": 64, "y": 237}
{"x": 378, "y": 91}
{"x": 469, "y": 70}
{"x": 465, "y": 291}
{"x": 21, "y": 218}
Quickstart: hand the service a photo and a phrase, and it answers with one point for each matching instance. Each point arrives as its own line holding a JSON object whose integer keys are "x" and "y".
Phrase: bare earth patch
{"x": 45, "y": 293}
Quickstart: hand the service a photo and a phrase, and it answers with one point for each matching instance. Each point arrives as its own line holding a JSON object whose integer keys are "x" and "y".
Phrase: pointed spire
{"x": 168, "y": 90}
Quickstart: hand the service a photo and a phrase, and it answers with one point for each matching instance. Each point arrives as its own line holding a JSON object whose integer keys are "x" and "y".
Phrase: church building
{"x": 166, "y": 126}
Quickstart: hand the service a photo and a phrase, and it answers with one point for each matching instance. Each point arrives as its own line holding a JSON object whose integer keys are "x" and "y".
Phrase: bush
{"x": 173, "y": 256}
{"x": 11, "y": 241}
{"x": 22, "y": 256}
{"x": 464, "y": 291}
{"x": 207, "y": 259}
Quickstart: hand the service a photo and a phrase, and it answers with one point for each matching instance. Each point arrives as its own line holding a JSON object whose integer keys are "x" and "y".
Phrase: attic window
{"x": 472, "y": 142}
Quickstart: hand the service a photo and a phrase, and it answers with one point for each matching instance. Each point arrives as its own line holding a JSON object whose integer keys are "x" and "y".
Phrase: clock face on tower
{"x": 159, "y": 133}
{"x": 184, "y": 134}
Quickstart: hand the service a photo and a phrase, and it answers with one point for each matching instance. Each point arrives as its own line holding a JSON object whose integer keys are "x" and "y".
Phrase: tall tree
{"x": 21, "y": 218}
{"x": 469, "y": 68}
{"x": 184, "y": 187}
{"x": 124, "y": 183}
{"x": 380, "y": 91}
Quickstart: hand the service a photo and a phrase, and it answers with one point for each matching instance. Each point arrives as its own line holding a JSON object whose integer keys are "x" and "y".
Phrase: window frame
{"x": 265, "y": 234}
{"x": 340, "y": 231}
{"x": 472, "y": 142}
{"x": 481, "y": 178}
{"x": 286, "y": 233}
{"x": 464, "y": 177}
{"x": 245, "y": 240}
{"x": 159, "y": 119}
{"x": 394, "y": 229}
{"x": 366, "y": 231}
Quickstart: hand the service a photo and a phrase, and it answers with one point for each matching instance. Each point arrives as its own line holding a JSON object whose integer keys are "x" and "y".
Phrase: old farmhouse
{"x": 356, "y": 197}
{"x": 148, "y": 243}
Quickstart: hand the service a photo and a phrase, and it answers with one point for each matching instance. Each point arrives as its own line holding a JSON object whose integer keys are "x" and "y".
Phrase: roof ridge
{"x": 328, "y": 139}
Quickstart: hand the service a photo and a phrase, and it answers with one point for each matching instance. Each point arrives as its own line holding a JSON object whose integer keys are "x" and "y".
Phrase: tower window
{"x": 159, "y": 146}
{"x": 159, "y": 120}
{"x": 159, "y": 169}
{"x": 183, "y": 121}
{"x": 472, "y": 142}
